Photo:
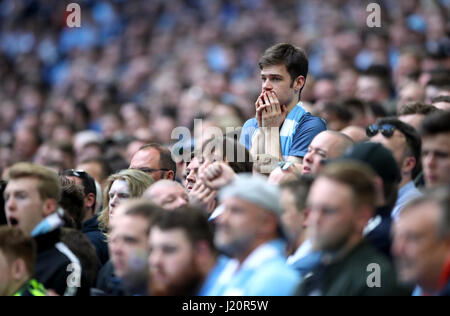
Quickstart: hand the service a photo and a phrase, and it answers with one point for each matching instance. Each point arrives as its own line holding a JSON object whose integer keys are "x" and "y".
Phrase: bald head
{"x": 154, "y": 160}
{"x": 356, "y": 133}
{"x": 326, "y": 145}
{"x": 168, "y": 194}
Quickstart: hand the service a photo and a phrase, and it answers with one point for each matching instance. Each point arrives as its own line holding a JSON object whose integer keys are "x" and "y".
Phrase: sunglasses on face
{"x": 387, "y": 130}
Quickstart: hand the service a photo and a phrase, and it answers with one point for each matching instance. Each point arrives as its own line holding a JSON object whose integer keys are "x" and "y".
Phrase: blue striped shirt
{"x": 297, "y": 132}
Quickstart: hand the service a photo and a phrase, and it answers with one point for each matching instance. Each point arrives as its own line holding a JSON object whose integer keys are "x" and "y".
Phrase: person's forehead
{"x": 342, "y": 192}
{"x": 411, "y": 118}
{"x": 279, "y": 69}
{"x": 368, "y": 81}
{"x": 129, "y": 224}
{"x": 119, "y": 185}
{"x": 26, "y": 183}
{"x": 324, "y": 141}
{"x": 439, "y": 141}
{"x": 415, "y": 218}
{"x": 167, "y": 189}
{"x": 174, "y": 236}
{"x": 148, "y": 158}
{"x": 194, "y": 163}
{"x": 237, "y": 202}
{"x": 92, "y": 166}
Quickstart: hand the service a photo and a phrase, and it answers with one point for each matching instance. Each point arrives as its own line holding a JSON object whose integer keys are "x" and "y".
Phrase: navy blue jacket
{"x": 97, "y": 238}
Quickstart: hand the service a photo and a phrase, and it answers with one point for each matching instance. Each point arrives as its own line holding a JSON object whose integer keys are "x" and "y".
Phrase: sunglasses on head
{"x": 75, "y": 173}
{"x": 387, "y": 130}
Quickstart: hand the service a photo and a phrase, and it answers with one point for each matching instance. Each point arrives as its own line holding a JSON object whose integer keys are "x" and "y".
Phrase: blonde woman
{"x": 126, "y": 184}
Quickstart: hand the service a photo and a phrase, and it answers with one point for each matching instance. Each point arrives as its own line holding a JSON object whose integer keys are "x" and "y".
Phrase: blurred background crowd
{"x": 98, "y": 104}
{"x": 137, "y": 69}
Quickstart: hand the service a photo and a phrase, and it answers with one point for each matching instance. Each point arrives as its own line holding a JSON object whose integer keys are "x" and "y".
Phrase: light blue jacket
{"x": 263, "y": 273}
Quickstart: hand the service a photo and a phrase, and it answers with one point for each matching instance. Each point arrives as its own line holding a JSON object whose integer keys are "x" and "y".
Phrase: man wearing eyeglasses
{"x": 326, "y": 145}
{"x": 405, "y": 144}
{"x": 155, "y": 160}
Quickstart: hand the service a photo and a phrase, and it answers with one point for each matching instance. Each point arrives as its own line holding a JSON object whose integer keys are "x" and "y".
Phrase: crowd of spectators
{"x": 342, "y": 165}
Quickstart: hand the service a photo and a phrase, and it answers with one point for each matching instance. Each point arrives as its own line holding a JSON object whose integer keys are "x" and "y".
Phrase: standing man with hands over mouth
{"x": 282, "y": 128}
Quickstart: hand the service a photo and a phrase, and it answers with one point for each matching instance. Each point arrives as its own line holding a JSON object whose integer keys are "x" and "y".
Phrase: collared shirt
{"x": 213, "y": 275}
{"x": 406, "y": 194}
{"x": 305, "y": 259}
{"x": 263, "y": 273}
{"x": 302, "y": 251}
{"x": 297, "y": 132}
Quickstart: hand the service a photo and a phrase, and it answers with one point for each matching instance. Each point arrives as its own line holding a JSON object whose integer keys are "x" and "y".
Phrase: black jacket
{"x": 97, "y": 238}
{"x": 108, "y": 284}
{"x": 352, "y": 276}
{"x": 57, "y": 268}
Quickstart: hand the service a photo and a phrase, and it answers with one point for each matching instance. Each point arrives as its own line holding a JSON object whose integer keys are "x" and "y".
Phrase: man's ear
{"x": 299, "y": 82}
{"x": 19, "y": 269}
{"x": 202, "y": 250}
{"x": 269, "y": 224}
{"x": 89, "y": 200}
{"x": 170, "y": 175}
{"x": 50, "y": 206}
{"x": 306, "y": 212}
{"x": 408, "y": 164}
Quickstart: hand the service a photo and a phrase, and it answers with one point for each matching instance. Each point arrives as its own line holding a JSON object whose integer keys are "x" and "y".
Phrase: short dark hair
{"x": 356, "y": 104}
{"x": 381, "y": 73}
{"x": 72, "y": 201}
{"x": 87, "y": 180}
{"x": 193, "y": 221}
{"x": 165, "y": 156}
{"x": 299, "y": 189}
{"x": 377, "y": 109}
{"x": 14, "y": 245}
{"x": 413, "y": 140}
{"x": 340, "y": 111}
{"x": 417, "y": 108}
{"x": 294, "y": 58}
{"x": 435, "y": 123}
{"x": 231, "y": 152}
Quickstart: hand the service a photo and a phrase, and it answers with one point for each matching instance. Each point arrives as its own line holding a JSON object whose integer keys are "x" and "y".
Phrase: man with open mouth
{"x": 31, "y": 204}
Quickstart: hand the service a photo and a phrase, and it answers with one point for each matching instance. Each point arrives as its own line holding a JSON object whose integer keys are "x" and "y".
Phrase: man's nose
{"x": 429, "y": 160}
{"x": 267, "y": 85}
{"x": 191, "y": 176}
{"x": 10, "y": 204}
{"x": 308, "y": 157}
{"x": 155, "y": 258}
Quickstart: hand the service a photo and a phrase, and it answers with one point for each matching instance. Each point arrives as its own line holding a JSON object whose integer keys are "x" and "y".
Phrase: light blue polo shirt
{"x": 297, "y": 132}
